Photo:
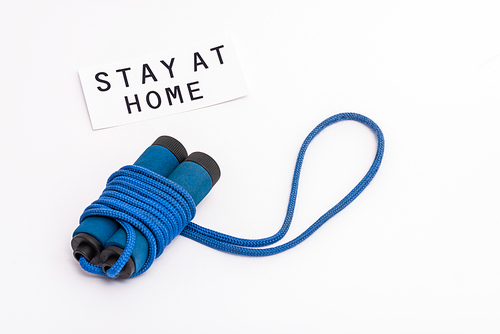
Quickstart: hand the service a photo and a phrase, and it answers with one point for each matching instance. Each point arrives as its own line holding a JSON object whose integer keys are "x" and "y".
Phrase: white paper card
{"x": 162, "y": 84}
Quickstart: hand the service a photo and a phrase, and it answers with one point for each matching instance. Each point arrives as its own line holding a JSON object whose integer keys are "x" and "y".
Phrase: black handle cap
{"x": 110, "y": 255}
{"x": 173, "y": 145}
{"x": 208, "y": 163}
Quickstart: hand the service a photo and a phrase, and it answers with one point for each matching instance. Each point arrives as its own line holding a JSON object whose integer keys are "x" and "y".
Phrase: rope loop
{"x": 248, "y": 247}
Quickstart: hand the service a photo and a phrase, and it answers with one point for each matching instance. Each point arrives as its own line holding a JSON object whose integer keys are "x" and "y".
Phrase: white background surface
{"x": 417, "y": 252}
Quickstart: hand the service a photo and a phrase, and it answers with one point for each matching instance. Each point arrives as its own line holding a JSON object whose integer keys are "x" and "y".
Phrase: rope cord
{"x": 161, "y": 210}
{"x": 247, "y": 247}
{"x": 137, "y": 197}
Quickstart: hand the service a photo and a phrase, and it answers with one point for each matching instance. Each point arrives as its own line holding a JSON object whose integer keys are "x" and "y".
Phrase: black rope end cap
{"x": 83, "y": 244}
{"x": 110, "y": 255}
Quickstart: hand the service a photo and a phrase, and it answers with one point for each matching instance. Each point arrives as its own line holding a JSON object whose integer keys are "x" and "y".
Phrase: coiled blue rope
{"x": 161, "y": 210}
{"x": 137, "y": 197}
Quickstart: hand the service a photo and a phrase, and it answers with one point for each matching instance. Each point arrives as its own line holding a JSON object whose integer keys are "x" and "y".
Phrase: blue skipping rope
{"x": 160, "y": 209}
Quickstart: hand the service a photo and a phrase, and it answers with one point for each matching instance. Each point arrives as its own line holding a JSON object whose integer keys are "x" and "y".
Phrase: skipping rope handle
{"x": 101, "y": 240}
